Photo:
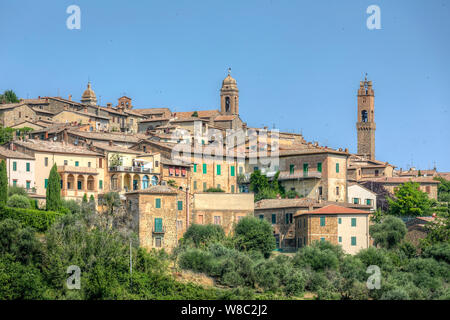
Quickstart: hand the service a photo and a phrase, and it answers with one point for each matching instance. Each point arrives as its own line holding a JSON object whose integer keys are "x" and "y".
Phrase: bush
{"x": 12, "y": 190}
{"x": 388, "y": 233}
{"x": 438, "y": 251}
{"x": 37, "y": 219}
{"x": 319, "y": 256}
{"x": 72, "y": 206}
{"x": 203, "y": 235}
{"x": 214, "y": 190}
{"x": 18, "y": 201}
{"x": 252, "y": 234}
{"x": 395, "y": 294}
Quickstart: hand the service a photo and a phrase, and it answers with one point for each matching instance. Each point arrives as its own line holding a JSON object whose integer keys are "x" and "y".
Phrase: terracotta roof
{"x": 36, "y": 109}
{"x": 146, "y": 111}
{"x": 225, "y": 117}
{"x": 154, "y": 120}
{"x": 88, "y": 114}
{"x": 114, "y": 148}
{"x": 302, "y": 203}
{"x": 34, "y": 101}
{"x": 119, "y": 137}
{"x": 335, "y": 209}
{"x": 402, "y": 179}
{"x": 156, "y": 189}
{"x": 55, "y": 147}
{"x": 10, "y": 105}
{"x": 7, "y": 153}
{"x": 201, "y": 114}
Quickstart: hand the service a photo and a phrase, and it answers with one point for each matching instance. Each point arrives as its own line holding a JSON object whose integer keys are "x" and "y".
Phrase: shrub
{"x": 319, "y": 256}
{"x": 37, "y": 219}
{"x": 395, "y": 294}
{"x": 12, "y": 190}
{"x": 203, "y": 235}
{"x": 389, "y": 233}
{"x": 72, "y": 206}
{"x": 252, "y": 234}
{"x": 18, "y": 201}
{"x": 438, "y": 251}
{"x": 214, "y": 190}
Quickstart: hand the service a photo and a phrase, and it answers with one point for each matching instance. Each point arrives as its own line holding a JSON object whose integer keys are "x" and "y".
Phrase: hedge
{"x": 37, "y": 219}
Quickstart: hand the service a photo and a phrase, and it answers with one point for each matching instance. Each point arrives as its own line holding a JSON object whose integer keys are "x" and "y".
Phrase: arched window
{"x": 145, "y": 181}
{"x": 364, "y": 116}
{"x": 227, "y": 104}
{"x": 154, "y": 180}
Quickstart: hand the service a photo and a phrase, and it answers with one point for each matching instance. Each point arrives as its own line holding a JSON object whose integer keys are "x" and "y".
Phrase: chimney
{"x": 110, "y": 142}
{"x": 109, "y": 105}
{"x": 70, "y": 97}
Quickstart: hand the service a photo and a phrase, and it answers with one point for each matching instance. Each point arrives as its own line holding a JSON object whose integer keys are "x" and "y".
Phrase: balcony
{"x": 75, "y": 169}
{"x": 160, "y": 230}
{"x": 130, "y": 169}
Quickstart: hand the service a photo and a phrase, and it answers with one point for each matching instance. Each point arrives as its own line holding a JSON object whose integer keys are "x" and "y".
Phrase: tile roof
{"x": 114, "y": 148}
{"x": 154, "y": 120}
{"x": 55, "y": 147}
{"x": 146, "y": 111}
{"x": 401, "y": 179}
{"x": 119, "y": 137}
{"x": 201, "y": 114}
{"x": 302, "y": 203}
{"x": 7, "y": 153}
{"x": 155, "y": 189}
{"x": 225, "y": 117}
{"x": 335, "y": 209}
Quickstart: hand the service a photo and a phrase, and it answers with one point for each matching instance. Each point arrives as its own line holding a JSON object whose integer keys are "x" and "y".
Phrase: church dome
{"x": 229, "y": 80}
{"x": 89, "y": 96}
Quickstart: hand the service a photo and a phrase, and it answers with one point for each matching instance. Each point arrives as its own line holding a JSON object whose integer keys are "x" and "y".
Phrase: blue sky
{"x": 298, "y": 63}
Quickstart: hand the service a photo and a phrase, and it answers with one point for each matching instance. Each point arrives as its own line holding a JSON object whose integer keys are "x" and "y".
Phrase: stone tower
{"x": 229, "y": 95}
{"x": 366, "y": 119}
{"x": 89, "y": 96}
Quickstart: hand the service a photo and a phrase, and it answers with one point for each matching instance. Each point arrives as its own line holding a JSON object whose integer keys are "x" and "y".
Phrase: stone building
{"x": 391, "y": 184}
{"x": 365, "y": 126}
{"x": 20, "y": 168}
{"x": 358, "y": 194}
{"x": 336, "y": 224}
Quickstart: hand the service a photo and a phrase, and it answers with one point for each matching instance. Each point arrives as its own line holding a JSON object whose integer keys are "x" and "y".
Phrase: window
{"x": 241, "y": 170}
{"x": 274, "y": 218}
{"x": 218, "y": 169}
{"x": 158, "y": 242}
{"x": 337, "y": 167}
{"x": 28, "y": 184}
{"x": 340, "y": 239}
{"x": 364, "y": 116}
{"x": 46, "y": 161}
{"x": 144, "y": 148}
{"x": 14, "y": 166}
{"x": 322, "y": 239}
{"x": 255, "y": 168}
{"x": 322, "y": 221}
{"x": 291, "y": 169}
{"x": 339, "y": 220}
{"x": 299, "y": 223}
{"x": 195, "y": 167}
{"x": 100, "y": 184}
{"x": 216, "y": 219}
{"x": 376, "y": 173}
{"x": 195, "y": 185}
{"x": 305, "y": 168}
{"x": 353, "y": 222}
{"x": 356, "y": 200}
{"x": 66, "y": 162}
{"x": 218, "y": 186}
{"x": 179, "y": 224}
{"x": 353, "y": 241}
{"x": 89, "y": 164}
{"x": 204, "y": 186}
{"x": 289, "y": 218}
{"x": 157, "y": 203}
{"x": 337, "y": 191}
{"x": 15, "y": 182}
{"x": 80, "y": 185}
{"x": 204, "y": 168}
{"x": 100, "y": 163}
{"x": 427, "y": 190}
{"x": 158, "y": 225}
{"x": 180, "y": 205}
{"x": 232, "y": 188}
{"x": 369, "y": 202}
{"x": 45, "y": 183}
{"x": 319, "y": 167}
{"x": 261, "y": 216}
{"x": 156, "y": 164}
{"x": 320, "y": 191}
{"x": 232, "y": 171}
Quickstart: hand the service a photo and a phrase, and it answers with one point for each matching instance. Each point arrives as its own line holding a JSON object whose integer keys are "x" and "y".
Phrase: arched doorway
{"x": 127, "y": 182}
{"x": 80, "y": 182}
{"x": 90, "y": 183}
{"x": 154, "y": 180}
{"x": 136, "y": 182}
{"x": 70, "y": 182}
{"x": 145, "y": 182}
{"x": 114, "y": 182}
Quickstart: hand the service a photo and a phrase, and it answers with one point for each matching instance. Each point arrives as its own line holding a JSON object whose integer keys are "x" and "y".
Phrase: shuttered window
{"x": 232, "y": 171}
{"x": 180, "y": 205}
{"x": 158, "y": 203}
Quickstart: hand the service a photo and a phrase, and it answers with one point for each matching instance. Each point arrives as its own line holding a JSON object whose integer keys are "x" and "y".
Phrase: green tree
{"x": 443, "y": 189}
{"x": 258, "y": 182}
{"x": 203, "y": 235}
{"x": 409, "y": 200}
{"x": 19, "y": 201}
{"x": 389, "y": 232}
{"x": 8, "y": 96}
{"x": 53, "y": 194}
{"x": 252, "y": 234}
{"x": 195, "y": 114}
{"x": 6, "y": 134}
{"x": 112, "y": 201}
{"x": 3, "y": 183}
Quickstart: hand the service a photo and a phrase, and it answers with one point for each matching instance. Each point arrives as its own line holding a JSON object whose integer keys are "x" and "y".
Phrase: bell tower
{"x": 366, "y": 119}
{"x": 229, "y": 95}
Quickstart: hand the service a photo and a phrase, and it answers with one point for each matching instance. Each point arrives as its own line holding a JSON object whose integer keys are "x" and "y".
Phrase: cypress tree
{"x": 3, "y": 183}
{"x": 53, "y": 195}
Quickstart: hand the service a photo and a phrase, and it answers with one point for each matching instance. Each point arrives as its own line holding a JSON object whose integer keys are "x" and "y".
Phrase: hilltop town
{"x": 329, "y": 194}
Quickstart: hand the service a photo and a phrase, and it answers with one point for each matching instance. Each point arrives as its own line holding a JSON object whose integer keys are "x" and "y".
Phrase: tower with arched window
{"x": 365, "y": 126}
{"x": 229, "y": 95}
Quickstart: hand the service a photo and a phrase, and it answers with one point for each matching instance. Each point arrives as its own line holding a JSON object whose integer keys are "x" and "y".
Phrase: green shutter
{"x": 204, "y": 168}
{"x": 28, "y": 167}
{"x": 195, "y": 185}
{"x": 28, "y": 184}
{"x": 353, "y": 222}
{"x": 14, "y": 183}
{"x": 158, "y": 225}
{"x": 340, "y": 239}
{"x": 195, "y": 167}
{"x": 339, "y": 220}
{"x": 291, "y": 169}
{"x": 219, "y": 169}
{"x": 232, "y": 188}
{"x": 232, "y": 171}
{"x": 322, "y": 221}
{"x": 337, "y": 167}
{"x": 180, "y": 205}
{"x": 274, "y": 218}
{"x": 14, "y": 166}
{"x": 76, "y": 163}
{"x": 305, "y": 167}
{"x": 368, "y": 202}
{"x": 100, "y": 184}
{"x": 319, "y": 167}
{"x": 46, "y": 183}
{"x": 204, "y": 186}
{"x": 158, "y": 203}
{"x": 261, "y": 216}
{"x": 353, "y": 241}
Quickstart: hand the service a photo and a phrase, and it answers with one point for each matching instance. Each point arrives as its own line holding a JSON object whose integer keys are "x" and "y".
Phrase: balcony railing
{"x": 75, "y": 169}
{"x": 160, "y": 230}
{"x": 130, "y": 169}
